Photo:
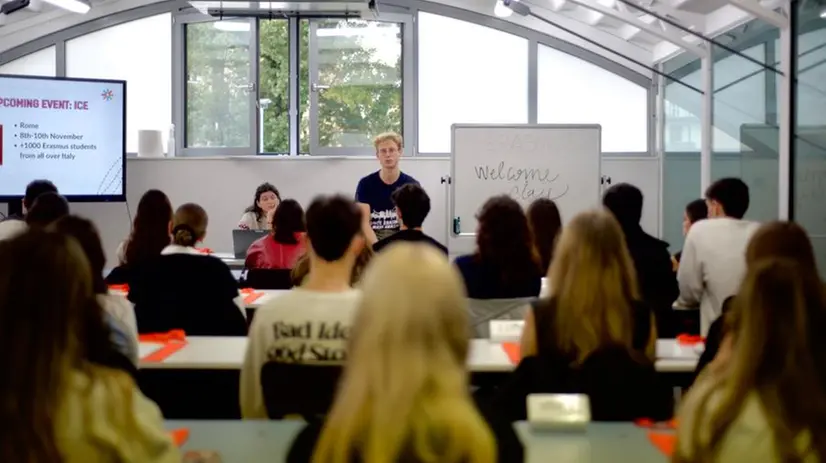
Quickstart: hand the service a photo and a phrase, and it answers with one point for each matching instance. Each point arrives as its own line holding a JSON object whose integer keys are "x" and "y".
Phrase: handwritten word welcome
{"x": 525, "y": 178}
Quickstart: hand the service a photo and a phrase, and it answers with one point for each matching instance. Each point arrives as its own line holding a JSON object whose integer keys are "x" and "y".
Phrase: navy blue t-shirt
{"x": 373, "y": 191}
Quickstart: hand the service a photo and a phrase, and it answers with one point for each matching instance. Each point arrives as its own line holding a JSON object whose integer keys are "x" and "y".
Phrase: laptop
{"x": 242, "y": 239}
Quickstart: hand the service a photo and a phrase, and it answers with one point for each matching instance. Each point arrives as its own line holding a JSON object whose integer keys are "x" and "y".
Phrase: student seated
{"x": 185, "y": 289}
{"x": 694, "y": 212}
{"x": 714, "y": 254}
{"x": 47, "y": 208}
{"x": 150, "y": 230}
{"x": 763, "y": 398}
{"x": 120, "y": 315}
{"x": 13, "y": 226}
{"x": 324, "y": 304}
{"x": 58, "y": 404}
{"x": 404, "y": 394}
{"x": 302, "y": 266}
{"x": 545, "y": 224}
{"x": 259, "y": 215}
{"x": 412, "y": 206}
{"x": 505, "y": 264}
{"x": 593, "y": 335}
{"x": 649, "y": 255}
{"x": 281, "y": 248}
{"x": 786, "y": 240}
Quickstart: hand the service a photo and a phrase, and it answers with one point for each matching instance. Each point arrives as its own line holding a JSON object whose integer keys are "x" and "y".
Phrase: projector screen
{"x": 69, "y": 131}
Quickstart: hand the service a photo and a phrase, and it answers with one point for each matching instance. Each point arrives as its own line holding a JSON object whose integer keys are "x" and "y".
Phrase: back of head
{"x": 696, "y": 210}
{"x": 405, "y": 386}
{"x": 332, "y": 223}
{"x": 779, "y": 353}
{"x": 781, "y": 240}
{"x": 189, "y": 224}
{"x": 504, "y": 240}
{"x": 86, "y": 234}
{"x": 545, "y": 223}
{"x": 36, "y": 188}
{"x": 625, "y": 202}
{"x": 593, "y": 282}
{"x": 732, "y": 194}
{"x": 413, "y": 203}
{"x": 47, "y": 208}
{"x": 150, "y": 230}
{"x": 287, "y": 221}
{"x": 45, "y": 291}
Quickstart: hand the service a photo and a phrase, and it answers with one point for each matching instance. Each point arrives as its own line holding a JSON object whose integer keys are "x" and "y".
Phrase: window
{"x": 574, "y": 91}
{"x": 39, "y": 63}
{"x": 274, "y": 85}
{"x": 219, "y": 86}
{"x": 139, "y": 52}
{"x": 355, "y": 72}
{"x": 467, "y": 74}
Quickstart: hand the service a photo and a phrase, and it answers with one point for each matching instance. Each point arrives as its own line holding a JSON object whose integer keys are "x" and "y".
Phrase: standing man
{"x": 374, "y": 192}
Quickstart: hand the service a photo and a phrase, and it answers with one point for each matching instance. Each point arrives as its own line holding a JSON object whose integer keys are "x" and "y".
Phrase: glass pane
{"x": 274, "y": 86}
{"x": 139, "y": 52}
{"x": 304, "y": 86}
{"x": 574, "y": 91}
{"x": 467, "y": 74}
{"x": 218, "y": 84}
{"x": 39, "y": 63}
{"x": 359, "y": 82}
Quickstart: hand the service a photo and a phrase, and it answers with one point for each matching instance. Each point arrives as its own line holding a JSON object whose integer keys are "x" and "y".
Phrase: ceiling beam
{"x": 766, "y": 14}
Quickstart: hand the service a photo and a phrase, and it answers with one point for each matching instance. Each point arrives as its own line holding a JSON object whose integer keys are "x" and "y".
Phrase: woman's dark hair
{"x": 696, "y": 210}
{"x": 47, "y": 208}
{"x": 86, "y": 234}
{"x": 150, "y": 230}
{"x": 288, "y": 220}
{"x": 262, "y": 188}
{"x": 189, "y": 224}
{"x": 545, "y": 223}
{"x": 504, "y": 240}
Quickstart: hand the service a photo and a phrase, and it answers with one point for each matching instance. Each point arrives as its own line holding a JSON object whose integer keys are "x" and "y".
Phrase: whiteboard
{"x": 526, "y": 162}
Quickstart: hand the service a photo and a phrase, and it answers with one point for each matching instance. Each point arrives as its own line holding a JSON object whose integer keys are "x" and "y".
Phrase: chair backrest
{"x": 260, "y": 278}
{"x": 482, "y": 311}
{"x": 299, "y": 389}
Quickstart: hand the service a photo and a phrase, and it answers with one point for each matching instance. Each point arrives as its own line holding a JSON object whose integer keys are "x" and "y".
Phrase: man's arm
{"x": 690, "y": 275}
{"x": 366, "y": 227}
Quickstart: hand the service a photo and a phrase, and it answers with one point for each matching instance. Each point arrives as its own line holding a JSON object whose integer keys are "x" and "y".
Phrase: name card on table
{"x": 506, "y": 330}
{"x": 563, "y": 412}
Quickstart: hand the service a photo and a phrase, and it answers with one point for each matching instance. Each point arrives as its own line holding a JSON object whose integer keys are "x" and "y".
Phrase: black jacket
{"x": 189, "y": 292}
{"x": 621, "y": 385}
{"x": 655, "y": 275}
{"x": 714, "y": 337}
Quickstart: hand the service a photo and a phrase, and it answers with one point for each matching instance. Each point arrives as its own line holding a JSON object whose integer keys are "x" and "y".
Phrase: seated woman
{"x": 763, "y": 398}
{"x": 772, "y": 240}
{"x": 592, "y": 335}
{"x": 185, "y": 289}
{"x": 281, "y": 248}
{"x": 120, "y": 315}
{"x": 695, "y": 210}
{"x": 546, "y": 224}
{"x": 259, "y": 215}
{"x": 149, "y": 235}
{"x": 58, "y": 404}
{"x": 505, "y": 264}
{"x": 404, "y": 394}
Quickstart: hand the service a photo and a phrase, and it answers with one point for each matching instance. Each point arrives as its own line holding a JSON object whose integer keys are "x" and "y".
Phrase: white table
{"x": 230, "y": 260}
{"x": 227, "y": 353}
{"x": 269, "y": 295}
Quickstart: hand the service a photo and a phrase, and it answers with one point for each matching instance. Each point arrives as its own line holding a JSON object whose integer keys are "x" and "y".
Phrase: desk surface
{"x": 269, "y": 441}
{"x": 227, "y": 353}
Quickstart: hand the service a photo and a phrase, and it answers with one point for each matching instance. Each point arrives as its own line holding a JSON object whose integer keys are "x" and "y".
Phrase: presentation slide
{"x": 68, "y": 131}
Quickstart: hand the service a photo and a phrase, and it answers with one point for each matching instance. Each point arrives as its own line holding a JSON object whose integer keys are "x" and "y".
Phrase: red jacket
{"x": 266, "y": 253}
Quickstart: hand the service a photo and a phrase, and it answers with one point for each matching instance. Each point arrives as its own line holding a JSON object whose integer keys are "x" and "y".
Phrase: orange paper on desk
{"x": 173, "y": 341}
{"x": 664, "y": 441}
{"x": 252, "y": 297}
{"x": 513, "y": 351}
{"x": 179, "y": 436}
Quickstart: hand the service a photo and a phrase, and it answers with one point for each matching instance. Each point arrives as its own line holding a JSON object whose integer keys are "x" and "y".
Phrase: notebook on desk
{"x": 242, "y": 239}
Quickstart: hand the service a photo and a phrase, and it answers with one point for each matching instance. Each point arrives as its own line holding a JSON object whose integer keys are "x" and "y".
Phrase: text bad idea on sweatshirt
{"x": 309, "y": 341}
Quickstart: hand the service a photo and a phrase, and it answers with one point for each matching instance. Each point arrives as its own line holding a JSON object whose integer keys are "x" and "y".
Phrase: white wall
{"x": 225, "y": 186}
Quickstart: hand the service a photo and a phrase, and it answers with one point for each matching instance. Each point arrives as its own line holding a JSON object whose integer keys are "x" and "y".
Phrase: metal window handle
{"x": 315, "y": 87}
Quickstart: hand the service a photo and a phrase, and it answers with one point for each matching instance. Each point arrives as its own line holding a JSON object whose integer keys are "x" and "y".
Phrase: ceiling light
{"x": 823, "y": 12}
{"x": 232, "y": 26}
{"x": 75, "y": 6}
{"x": 500, "y": 10}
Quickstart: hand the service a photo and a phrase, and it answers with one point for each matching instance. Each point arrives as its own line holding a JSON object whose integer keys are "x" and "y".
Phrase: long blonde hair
{"x": 405, "y": 386}
{"x": 594, "y": 285}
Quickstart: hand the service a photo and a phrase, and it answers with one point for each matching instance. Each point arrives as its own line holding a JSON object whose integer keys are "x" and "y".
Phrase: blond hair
{"x": 593, "y": 281}
{"x": 388, "y": 136}
{"x": 405, "y": 386}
